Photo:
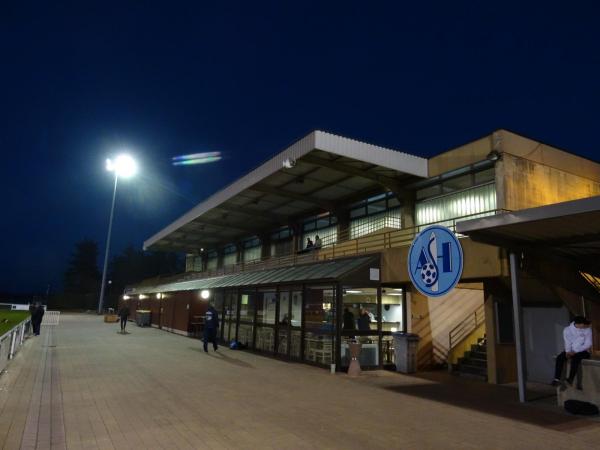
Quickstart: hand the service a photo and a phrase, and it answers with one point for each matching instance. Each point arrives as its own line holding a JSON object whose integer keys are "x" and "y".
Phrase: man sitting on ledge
{"x": 578, "y": 344}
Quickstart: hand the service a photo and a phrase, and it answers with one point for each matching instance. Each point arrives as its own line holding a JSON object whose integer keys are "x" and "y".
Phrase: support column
{"x": 518, "y": 324}
{"x": 343, "y": 225}
{"x": 407, "y": 210}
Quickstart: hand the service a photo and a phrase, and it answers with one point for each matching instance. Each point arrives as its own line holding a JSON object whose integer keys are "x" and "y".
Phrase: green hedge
{"x": 8, "y": 319}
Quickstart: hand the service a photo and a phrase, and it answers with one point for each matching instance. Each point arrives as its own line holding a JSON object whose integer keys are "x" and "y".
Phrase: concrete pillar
{"x": 490, "y": 332}
{"x": 343, "y": 224}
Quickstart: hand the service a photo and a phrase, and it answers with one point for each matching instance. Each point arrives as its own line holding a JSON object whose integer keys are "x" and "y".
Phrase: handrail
{"x": 465, "y": 327}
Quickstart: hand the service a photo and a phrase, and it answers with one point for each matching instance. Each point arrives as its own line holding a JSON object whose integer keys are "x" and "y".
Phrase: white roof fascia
{"x": 402, "y": 162}
{"x": 556, "y": 210}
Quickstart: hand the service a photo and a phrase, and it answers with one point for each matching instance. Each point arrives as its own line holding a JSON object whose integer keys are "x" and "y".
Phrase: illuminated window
{"x": 475, "y": 202}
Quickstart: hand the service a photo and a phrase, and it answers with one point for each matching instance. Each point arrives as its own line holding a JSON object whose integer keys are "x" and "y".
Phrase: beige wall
{"x": 533, "y": 174}
{"x": 432, "y": 318}
{"x": 461, "y": 156}
{"x": 480, "y": 261}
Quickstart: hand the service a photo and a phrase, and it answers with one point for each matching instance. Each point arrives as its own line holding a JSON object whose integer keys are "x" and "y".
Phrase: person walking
{"x": 578, "y": 344}
{"x": 37, "y": 315}
{"x": 211, "y": 328}
{"x": 124, "y": 315}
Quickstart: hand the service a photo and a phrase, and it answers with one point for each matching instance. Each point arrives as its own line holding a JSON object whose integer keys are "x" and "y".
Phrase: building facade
{"x": 309, "y": 251}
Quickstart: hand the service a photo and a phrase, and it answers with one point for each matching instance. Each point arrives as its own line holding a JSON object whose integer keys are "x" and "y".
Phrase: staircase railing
{"x": 465, "y": 327}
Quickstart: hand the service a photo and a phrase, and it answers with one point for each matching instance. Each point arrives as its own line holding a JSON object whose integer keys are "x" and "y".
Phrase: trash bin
{"x": 405, "y": 352}
{"x": 142, "y": 317}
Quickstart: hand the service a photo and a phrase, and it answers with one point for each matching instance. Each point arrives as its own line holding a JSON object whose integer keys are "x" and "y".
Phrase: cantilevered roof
{"x": 330, "y": 270}
{"x": 570, "y": 230}
{"x": 328, "y": 172}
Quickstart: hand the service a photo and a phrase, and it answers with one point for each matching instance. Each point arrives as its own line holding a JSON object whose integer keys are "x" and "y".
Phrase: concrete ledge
{"x": 590, "y": 382}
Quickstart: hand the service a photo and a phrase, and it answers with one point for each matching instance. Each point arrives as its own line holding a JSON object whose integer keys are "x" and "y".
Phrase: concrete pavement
{"x": 81, "y": 384}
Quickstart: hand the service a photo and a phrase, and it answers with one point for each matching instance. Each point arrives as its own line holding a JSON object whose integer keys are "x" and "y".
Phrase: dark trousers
{"x": 575, "y": 363}
{"x": 35, "y": 324}
{"x": 123, "y": 323}
{"x": 210, "y": 335}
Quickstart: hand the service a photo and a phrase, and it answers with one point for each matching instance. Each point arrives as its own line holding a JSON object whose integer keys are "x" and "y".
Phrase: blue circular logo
{"x": 435, "y": 261}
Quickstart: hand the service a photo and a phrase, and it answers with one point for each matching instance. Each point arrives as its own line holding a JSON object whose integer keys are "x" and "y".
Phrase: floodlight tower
{"x": 123, "y": 166}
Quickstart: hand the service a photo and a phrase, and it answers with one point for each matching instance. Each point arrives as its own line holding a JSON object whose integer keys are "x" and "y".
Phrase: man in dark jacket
{"x": 124, "y": 315}
{"x": 36, "y": 318}
{"x": 211, "y": 327}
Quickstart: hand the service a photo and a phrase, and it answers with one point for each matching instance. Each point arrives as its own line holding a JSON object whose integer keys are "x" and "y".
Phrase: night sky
{"x": 81, "y": 80}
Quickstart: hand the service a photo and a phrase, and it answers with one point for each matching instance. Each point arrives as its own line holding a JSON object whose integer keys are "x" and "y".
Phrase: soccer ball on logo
{"x": 429, "y": 274}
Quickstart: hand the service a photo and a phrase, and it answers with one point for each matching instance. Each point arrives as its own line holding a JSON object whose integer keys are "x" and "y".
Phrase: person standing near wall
{"x": 578, "y": 344}
{"x": 211, "y": 327}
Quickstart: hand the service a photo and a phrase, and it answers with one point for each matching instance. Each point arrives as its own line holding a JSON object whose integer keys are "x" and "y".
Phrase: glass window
{"x": 393, "y": 202}
{"x": 359, "y": 312}
{"x": 284, "y": 308}
{"x": 247, "y": 307}
{"x": 485, "y": 176}
{"x": 319, "y": 321}
{"x": 296, "y": 318}
{"x": 457, "y": 184}
{"x": 267, "y": 302}
{"x": 430, "y": 191}
{"x": 475, "y": 202}
{"x": 376, "y": 207}
{"x": 358, "y": 212}
{"x": 391, "y": 309}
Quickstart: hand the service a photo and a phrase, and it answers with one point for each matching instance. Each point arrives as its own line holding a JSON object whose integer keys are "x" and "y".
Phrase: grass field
{"x": 8, "y": 319}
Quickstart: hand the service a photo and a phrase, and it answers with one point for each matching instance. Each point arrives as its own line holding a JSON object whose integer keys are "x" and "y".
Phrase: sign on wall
{"x": 435, "y": 261}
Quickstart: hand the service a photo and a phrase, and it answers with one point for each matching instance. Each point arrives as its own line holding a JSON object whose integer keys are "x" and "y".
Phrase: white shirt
{"x": 577, "y": 339}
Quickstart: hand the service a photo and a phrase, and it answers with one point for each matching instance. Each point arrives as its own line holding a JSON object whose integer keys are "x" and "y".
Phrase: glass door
{"x": 229, "y": 320}
{"x": 360, "y": 323}
{"x": 319, "y": 324}
{"x": 266, "y": 309}
{"x": 245, "y": 333}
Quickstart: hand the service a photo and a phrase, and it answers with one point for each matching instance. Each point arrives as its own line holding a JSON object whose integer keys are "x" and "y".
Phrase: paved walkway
{"x": 83, "y": 385}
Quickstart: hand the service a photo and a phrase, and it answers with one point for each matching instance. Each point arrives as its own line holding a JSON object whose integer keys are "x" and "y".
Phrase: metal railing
{"x": 342, "y": 247}
{"x": 465, "y": 327}
{"x": 51, "y": 318}
{"x": 12, "y": 340}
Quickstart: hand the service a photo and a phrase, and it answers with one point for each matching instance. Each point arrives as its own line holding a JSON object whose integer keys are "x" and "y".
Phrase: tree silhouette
{"x": 82, "y": 277}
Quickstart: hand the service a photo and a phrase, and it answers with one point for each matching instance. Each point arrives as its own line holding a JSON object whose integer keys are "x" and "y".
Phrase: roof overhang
{"x": 320, "y": 172}
{"x": 340, "y": 269}
{"x": 568, "y": 231}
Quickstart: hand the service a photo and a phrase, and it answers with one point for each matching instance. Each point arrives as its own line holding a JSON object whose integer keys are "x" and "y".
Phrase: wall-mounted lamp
{"x": 204, "y": 294}
{"x": 494, "y": 155}
{"x": 126, "y": 297}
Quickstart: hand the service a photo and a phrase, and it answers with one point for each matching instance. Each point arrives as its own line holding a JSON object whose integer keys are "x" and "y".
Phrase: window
{"x": 474, "y": 202}
{"x": 367, "y": 225}
{"x": 374, "y": 205}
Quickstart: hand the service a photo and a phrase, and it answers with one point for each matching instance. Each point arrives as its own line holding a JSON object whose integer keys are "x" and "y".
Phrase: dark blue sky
{"x": 79, "y": 80}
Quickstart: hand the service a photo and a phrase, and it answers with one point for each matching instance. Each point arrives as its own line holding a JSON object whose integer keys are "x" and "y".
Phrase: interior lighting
{"x": 142, "y": 296}
{"x": 351, "y": 291}
{"x": 205, "y": 293}
{"x": 126, "y": 297}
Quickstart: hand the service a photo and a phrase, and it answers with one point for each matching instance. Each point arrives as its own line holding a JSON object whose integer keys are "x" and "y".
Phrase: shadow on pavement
{"x": 490, "y": 399}
{"x": 223, "y": 357}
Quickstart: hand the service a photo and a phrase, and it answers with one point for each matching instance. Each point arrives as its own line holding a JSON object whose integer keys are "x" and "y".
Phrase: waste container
{"x": 405, "y": 352}
{"x": 142, "y": 317}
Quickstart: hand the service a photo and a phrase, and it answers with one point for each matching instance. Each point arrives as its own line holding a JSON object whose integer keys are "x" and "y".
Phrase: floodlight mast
{"x": 123, "y": 166}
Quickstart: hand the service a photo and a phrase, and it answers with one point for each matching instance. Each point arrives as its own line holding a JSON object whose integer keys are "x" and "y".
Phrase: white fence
{"x": 12, "y": 340}
{"x": 51, "y": 318}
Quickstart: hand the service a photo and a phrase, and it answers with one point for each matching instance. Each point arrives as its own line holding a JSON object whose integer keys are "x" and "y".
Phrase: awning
{"x": 319, "y": 173}
{"x": 325, "y": 271}
{"x": 570, "y": 230}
